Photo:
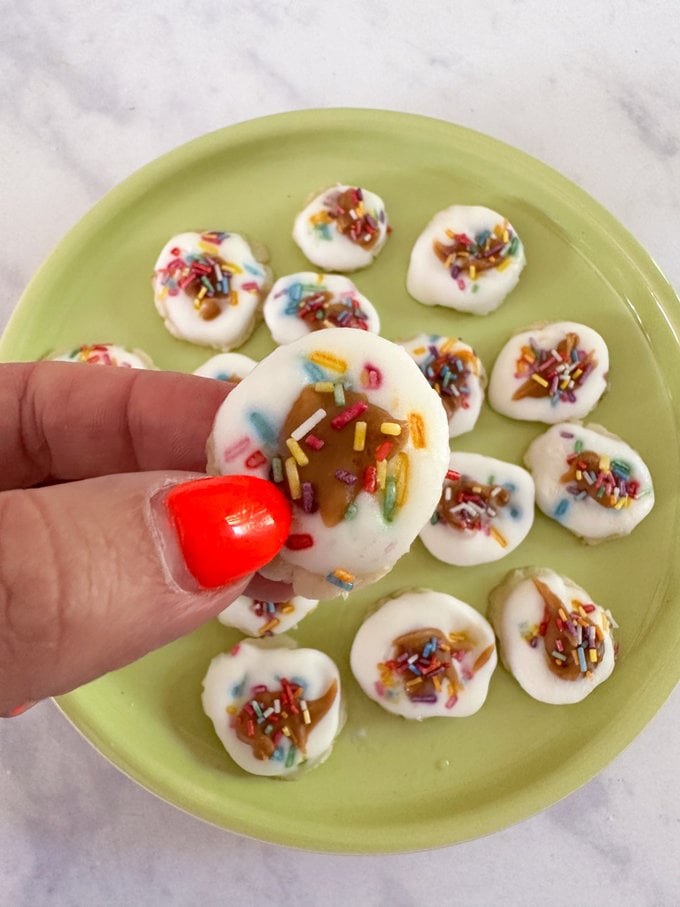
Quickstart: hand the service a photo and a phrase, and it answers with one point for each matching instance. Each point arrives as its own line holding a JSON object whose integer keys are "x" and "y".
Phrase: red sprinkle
{"x": 314, "y": 442}
{"x": 298, "y": 541}
{"x": 452, "y": 475}
{"x": 383, "y": 450}
{"x": 346, "y": 416}
{"x": 257, "y": 458}
{"x": 370, "y": 479}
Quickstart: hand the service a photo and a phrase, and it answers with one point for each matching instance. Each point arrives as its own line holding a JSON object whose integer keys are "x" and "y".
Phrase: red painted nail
{"x": 228, "y": 526}
{"x": 19, "y": 710}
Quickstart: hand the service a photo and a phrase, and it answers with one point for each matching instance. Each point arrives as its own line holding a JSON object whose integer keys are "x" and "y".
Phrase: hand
{"x": 104, "y": 552}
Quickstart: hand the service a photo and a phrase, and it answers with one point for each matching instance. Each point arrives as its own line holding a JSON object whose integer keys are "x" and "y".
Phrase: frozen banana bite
{"x": 456, "y": 373}
{"x": 425, "y": 654}
{"x": 590, "y": 481}
{"x": 232, "y": 367}
{"x": 342, "y": 229}
{"x": 304, "y": 302}
{"x": 485, "y": 510}
{"x": 555, "y": 641}
{"x": 467, "y": 258}
{"x": 209, "y": 288}
{"x": 105, "y": 354}
{"x": 550, "y": 373}
{"x": 345, "y": 424}
{"x": 276, "y": 709}
{"x": 256, "y": 617}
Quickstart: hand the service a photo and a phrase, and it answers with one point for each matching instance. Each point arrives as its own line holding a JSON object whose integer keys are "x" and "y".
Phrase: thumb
{"x": 95, "y": 573}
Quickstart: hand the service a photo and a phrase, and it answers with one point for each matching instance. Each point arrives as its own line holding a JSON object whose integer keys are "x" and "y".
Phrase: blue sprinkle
{"x": 251, "y": 269}
{"x": 562, "y": 508}
{"x": 340, "y": 583}
{"x": 515, "y": 513}
{"x": 222, "y": 376}
{"x": 511, "y": 487}
{"x": 291, "y": 308}
{"x": 314, "y": 372}
{"x": 237, "y": 689}
{"x": 277, "y": 755}
{"x": 263, "y": 428}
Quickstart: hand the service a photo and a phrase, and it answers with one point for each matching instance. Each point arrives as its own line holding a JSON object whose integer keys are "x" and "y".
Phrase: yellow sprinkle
{"x": 449, "y": 260}
{"x": 605, "y": 463}
{"x": 298, "y": 453}
{"x": 448, "y": 345}
{"x": 437, "y": 683}
{"x": 293, "y": 478}
{"x": 401, "y": 473}
{"x": 539, "y": 379}
{"x": 620, "y": 504}
{"x": 564, "y": 383}
{"x": 343, "y": 575}
{"x": 473, "y": 272}
{"x": 417, "y": 429}
{"x": 498, "y": 231}
{"x": 574, "y": 656}
{"x": 577, "y": 373}
{"x": 320, "y": 278}
{"x": 506, "y": 236}
{"x": 210, "y": 247}
{"x": 232, "y": 710}
{"x": 593, "y": 654}
{"x": 201, "y": 293}
{"x": 605, "y": 624}
{"x": 324, "y": 387}
{"x": 360, "y": 435}
{"x": 579, "y": 474}
{"x": 307, "y": 717}
{"x": 414, "y": 682}
{"x": 274, "y": 622}
{"x": 328, "y": 360}
{"x": 503, "y": 264}
{"x": 234, "y": 268}
{"x": 498, "y": 537}
{"x": 390, "y": 428}
{"x": 419, "y": 351}
{"x": 163, "y": 293}
{"x": 381, "y": 473}
{"x": 287, "y": 608}
{"x": 589, "y": 675}
{"x": 562, "y": 614}
{"x": 286, "y": 730}
{"x": 450, "y": 234}
{"x": 320, "y": 217}
{"x": 233, "y": 297}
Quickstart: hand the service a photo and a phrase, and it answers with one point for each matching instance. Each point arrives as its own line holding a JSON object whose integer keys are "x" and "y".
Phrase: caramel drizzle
{"x": 351, "y": 218}
{"x": 322, "y": 488}
{"x": 264, "y": 732}
{"x": 318, "y": 311}
{"x": 607, "y": 483}
{"x": 549, "y": 375}
{"x": 564, "y": 633}
{"x": 423, "y": 659}
{"x": 468, "y": 504}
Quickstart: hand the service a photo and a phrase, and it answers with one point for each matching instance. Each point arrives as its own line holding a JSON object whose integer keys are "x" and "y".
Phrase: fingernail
{"x": 228, "y": 526}
{"x": 19, "y": 710}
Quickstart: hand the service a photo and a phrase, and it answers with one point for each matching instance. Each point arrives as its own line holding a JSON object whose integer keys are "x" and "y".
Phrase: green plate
{"x": 391, "y": 785}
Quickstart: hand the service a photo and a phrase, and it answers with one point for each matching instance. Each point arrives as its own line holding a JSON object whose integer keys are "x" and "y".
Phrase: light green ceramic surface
{"x": 391, "y": 785}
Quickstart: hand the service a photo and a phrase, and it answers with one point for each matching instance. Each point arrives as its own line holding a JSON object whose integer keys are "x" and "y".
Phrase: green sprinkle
{"x": 339, "y": 393}
{"x": 514, "y": 245}
{"x": 351, "y": 512}
{"x": 290, "y": 758}
{"x": 277, "y": 469}
{"x": 390, "y": 501}
{"x": 434, "y": 519}
{"x": 578, "y": 446}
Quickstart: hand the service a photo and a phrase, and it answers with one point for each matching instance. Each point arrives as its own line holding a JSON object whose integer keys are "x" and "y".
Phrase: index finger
{"x": 66, "y": 421}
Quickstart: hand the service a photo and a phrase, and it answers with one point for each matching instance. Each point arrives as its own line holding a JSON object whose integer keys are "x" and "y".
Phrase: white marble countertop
{"x": 92, "y": 91}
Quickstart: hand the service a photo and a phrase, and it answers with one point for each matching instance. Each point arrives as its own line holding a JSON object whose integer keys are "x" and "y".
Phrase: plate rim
{"x": 323, "y": 119}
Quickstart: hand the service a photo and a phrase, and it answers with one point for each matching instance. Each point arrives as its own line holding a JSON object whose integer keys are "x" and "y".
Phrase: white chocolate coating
{"x": 229, "y": 684}
{"x": 431, "y": 281}
{"x": 255, "y": 617}
{"x": 419, "y": 609}
{"x": 516, "y": 612}
{"x": 501, "y": 528}
{"x": 532, "y": 352}
{"x": 105, "y": 354}
{"x": 316, "y": 233}
{"x": 462, "y": 378}
{"x": 245, "y": 439}
{"x": 239, "y": 270}
{"x": 546, "y": 458}
{"x": 296, "y": 294}
{"x": 226, "y": 367}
